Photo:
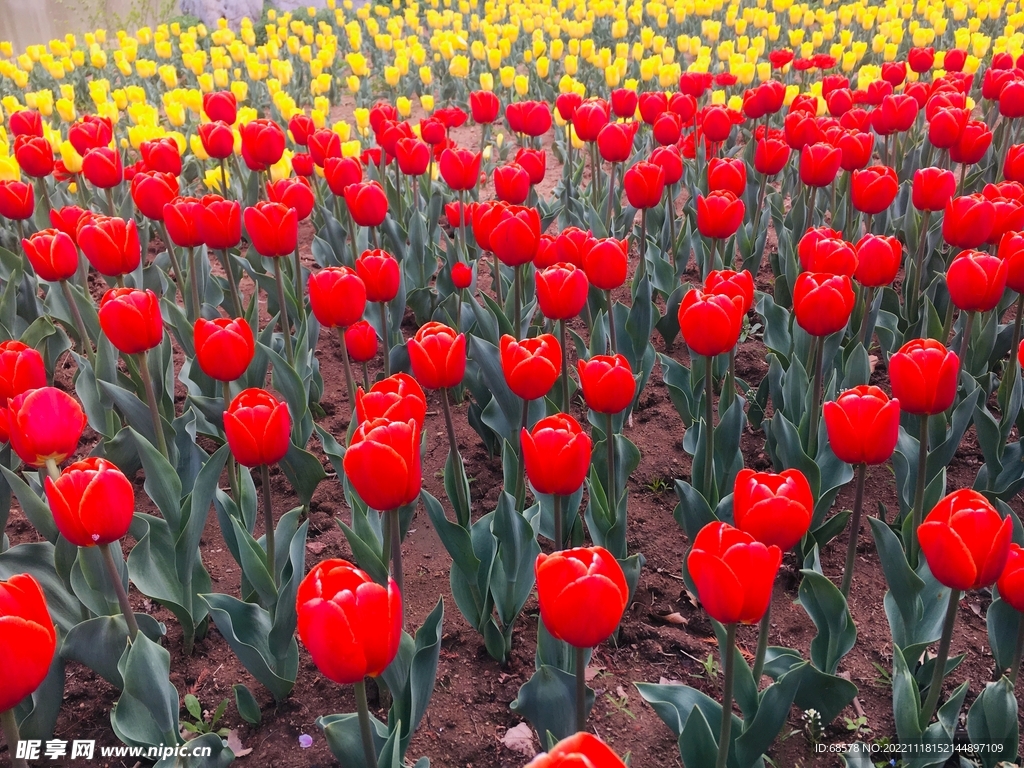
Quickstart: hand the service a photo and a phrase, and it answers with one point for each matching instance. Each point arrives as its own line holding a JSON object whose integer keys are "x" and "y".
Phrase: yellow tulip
{"x": 9, "y": 170}
{"x": 427, "y": 102}
{"x": 351, "y": 148}
{"x": 71, "y": 159}
{"x": 486, "y": 81}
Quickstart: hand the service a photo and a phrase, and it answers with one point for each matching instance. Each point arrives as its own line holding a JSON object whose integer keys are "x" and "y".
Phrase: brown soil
{"x": 469, "y": 712}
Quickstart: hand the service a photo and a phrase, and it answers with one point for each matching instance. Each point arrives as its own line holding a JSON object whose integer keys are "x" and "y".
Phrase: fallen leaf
{"x": 235, "y": 744}
{"x": 675, "y": 618}
{"x": 520, "y": 739}
{"x": 668, "y": 681}
{"x": 592, "y": 672}
{"x": 316, "y": 547}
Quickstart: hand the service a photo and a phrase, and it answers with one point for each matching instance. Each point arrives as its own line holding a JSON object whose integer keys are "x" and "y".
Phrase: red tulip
{"x": 25, "y": 122}
{"x": 972, "y": 144}
{"x": 720, "y": 214}
{"x": 323, "y": 145}
{"x": 45, "y": 423}
{"x": 567, "y": 104}
{"x": 34, "y": 155}
{"x": 780, "y": 58}
{"x": 670, "y": 162}
{"x": 1013, "y": 166}
{"x": 651, "y": 105}
{"x": 1011, "y": 582}
{"x": 21, "y": 369}
{"x": 968, "y": 221}
{"x": 151, "y": 191}
{"x": 606, "y": 262}
{"x": 924, "y": 374}
{"x": 92, "y": 502}
{"x": 511, "y": 184}
{"x": 301, "y": 127}
{"x": 102, "y": 167}
{"x": 874, "y": 189}
{"x": 361, "y": 342}
{"x": 52, "y": 254}
{"x": 17, "y": 200}
{"x": 624, "y": 102}
{"x": 534, "y": 162}
{"x": 28, "y": 638}
{"x": 921, "y": 59}
{"x": 273, "y": 228}
{"x": 976, "y": 281}
{"x": 965, "y": 541}
{"x": 221, "y": 222}
{"x": 258, "y": 428}
{"x": 1011, "y": 250}
{"x": 582, "y": 594}
{"x": 644, "y": 183}
{"x": 557, "y": 455}
{"x": 437, "y": 355}
{"x": 878, "y": 260}
{"x": 819, "y": 164}
{"x": 91, "y": 132}
{"x": 484, "y": 107}
{"x": 367, "y": 203}
{"x": 263, "y": 141}
{"x": 532, "y": 118}
{"x": 413, "y": 156}
{"x": 710, "y": 322}
{"x": 383, "y": 463}
{"x": 716, "y": 124}
{"x": 933, "y": 188}
{"x": 823, "y": 302}
{"x": 615, "y": 142}
{"x": 735, "y": 285}
{"x": 531, "y": 366}
{"x": 294, "y": 193}
{"x": 380, "y": 273}
{"x": 399, "y": 398}
{"x": 221, "y": 105}
{"x": 863, "y": 425}
{"x": 460, "y": 168}
{"x": 770, "y": 156}
{"x": 589, "y": 118}
{"x": 218, "y": 139}
{"x": 350, "y": 625}
{"x": 131, "y": 319}
{"x": 161, "y": 155}
{"x": 581, "y": 750}
{"x": 561, "y": 290}
{"x": 856, "y": 148}
{"x": 380, "y": 112}
{"x": 667, "y": 128}
{"x": 183, "y": 218}
{"x": 337, "y": 296}
{"x": 607, "y": 382}
{"x": 342, "y": 171}
{"x": 733, "y": 573}
{"x": 224, "y": 347}
{"x": 947, "y": 126}
{"x": 514, "y": 234}
{"x": 727, "y": 174}
{"x": 462, "y": 275}
{"x": 68, "y": 218}
{"x": 774, "y": 509}
{"x": 110, "y": 244}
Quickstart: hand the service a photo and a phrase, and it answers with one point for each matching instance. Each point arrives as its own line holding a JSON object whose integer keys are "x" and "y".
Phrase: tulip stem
{"x": 396, "y": 550}
{"x": 919, "y": 262}
{"x": 819, "y": 375}
{"x": 463, "y": 243}
{"x": 10, "y": 727}
{"x": 865, "y": 323}
{"x": 110, "y": 201}
{"x": 268, "y": 514}
{"x": 612, "y": 340}
{"x": 762, "y": 644}
{"x": 709, "y": 427}
{"x": 283, "y": 317}
{"x": 1018, "y": 652}
{"x": 365, "y": 728}
{"x": 463, "y": 511}
{"x": 565, "y": 365}
{"x": 352, "y": 237}
{"x": 386, "y": 338}
{"x": 366, "y": 377}
{"x": 52, "y": 469}
{"x": 517, "y": 328}
{"x": 608, "y": 213}
{"x": 642, "y": 246}
{"x": 581, "y": 689}
{"x": 521, "y": 477}
{"x": 236, "y": 300}
{"x": 730, "y": 378}
{"x": 232, "y": 465}
{"x": 170, "y": 255}
{"x": 964, "y": 340}
{"x": 858, "y": 511}
{"x": 922, "y": 472}
{"x": 154, "y": 409}
{"x": 610, "y": 443}
{"x": 349, "y": 382}
{"x": 297, "y": 284}
{"x": 224, "y": 191}
{"x": 83, "y": 334}
{"x": 496, "y": 278}
{"x": 193, "y": 283}
{"x": 559, "y": 534}
{"x": 670, "y": 211}
{"x": 730, "y": 674}
{"x": 122, "y": 595}
{"x": 935, "y": 688}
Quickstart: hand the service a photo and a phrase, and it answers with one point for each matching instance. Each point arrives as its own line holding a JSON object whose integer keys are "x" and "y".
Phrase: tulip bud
{"x": 965, "y": 541}
{"x": 582, "y": 594}
{"x": 131, "y": 319}
{"x": 92, "y": 502}
{"x": 773, "y": 508}
{"x": 224, "y": 347}
{"x": 28, "y": 638}
{"x": 556, "y": 454}
{"x": 437, "y": 355}
{"x": 258, "y": 428}
{"x": 383, "y": 463}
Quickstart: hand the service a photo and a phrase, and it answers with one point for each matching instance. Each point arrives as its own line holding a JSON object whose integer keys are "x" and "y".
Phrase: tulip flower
{"x": 738, "y": 286}
{"x": 719, "y": 216}
{"x": 352, "y": 628}
{"x": 102, "y": 167}
{"x": 224, "y": 348}
{"x": 25, "y": 122}
{"x": 361, "y": 345}
{"x": 582, "y": 594}
{"x": 110, "y": 244}
{"x": 337, "y": 297}
{"x": 966, "y": 543}
{"x": 21, "y": 369}
{"x": 367, "y": 203}
{"x": 556, "y": 454}
{"x": 511, "y": 184}
{"x": 17, "y": 201}
{"x": 821, "y": 253}
{"x": 396, "y": 398}
{"x": 1013, "y": 164}
{"x": 460, "y": 168}
{"x": 873, "y": 189}
{"x": 484, "y": 107}
{"x": 263, "y": 143}
{"x": 220, "y": 228}
{"x": 530, "y": 365}
{"x": 581, "y": 750}
{"x": 218, "y": 141}
{"x": 45, "y": 426}
{"x": 34, "y": 155}
{"x": 734, "y": 575}
{"x": 54, "y": 258}
{"x": 29, "y": 640}
{"x": 976, "y": 281}
{"x": 968, "y": 221}
{"x": 727, "y": 174}
{"x": 273, "y": 229}
{"x": 220, "y": 105}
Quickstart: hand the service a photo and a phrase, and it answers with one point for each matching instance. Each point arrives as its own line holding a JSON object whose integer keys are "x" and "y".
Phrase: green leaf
{"x": 830, "y": 613}
{"x": 345, "y": 739}
{"x": 35, "y": 509}
{"x": 304, "y": 472}
{"x": 1003, "y": 621}
{"x": 146, "y": 714}
{"x": 513, "y": 576}
{"x": 412, "y": 701}
{"x": 162, "y": 484}
{"x": 697, "y": 744}
{"x": 99, "y": 643}
{"x": 992, "y": 722}
{"x": 906, "y": 699}
{"x": 246, "y": 627}
{"x": 772, "y": 711}
{"x": 245, "y": 703}
{"x": 37, "y": 714}
{"x": 37, "y": 559}
{"x": 548, "y": 701}
{"x": 192, "y": 705}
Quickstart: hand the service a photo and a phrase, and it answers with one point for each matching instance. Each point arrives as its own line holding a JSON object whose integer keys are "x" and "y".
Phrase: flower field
{"x": 502, "y": 384}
